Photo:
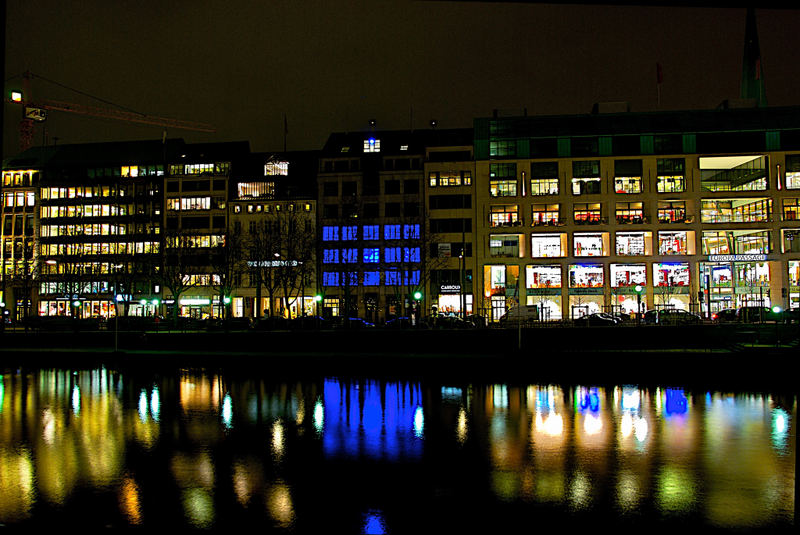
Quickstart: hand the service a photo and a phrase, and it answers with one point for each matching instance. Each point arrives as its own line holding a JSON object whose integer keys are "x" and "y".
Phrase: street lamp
{"x": 638, "y": 288}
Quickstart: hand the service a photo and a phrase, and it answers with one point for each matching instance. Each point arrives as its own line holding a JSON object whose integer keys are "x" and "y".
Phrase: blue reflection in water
{"x": 587, "y": 399}
{"x": 370, "y": 419}
{"x": 373, "y": 523}
{"x": 676, "y": 403}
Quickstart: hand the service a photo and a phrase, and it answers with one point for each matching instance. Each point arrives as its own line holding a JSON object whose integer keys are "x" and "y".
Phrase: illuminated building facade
{"x": 449, "y": 201}
{"x": 374, "y": 241}
{"x": 91, "y": 230}
{"x": 273, "y": 212}
{"x": 196, "y": 267}
{"x": 17, "y": 240}
{"x": 699, "y": 208}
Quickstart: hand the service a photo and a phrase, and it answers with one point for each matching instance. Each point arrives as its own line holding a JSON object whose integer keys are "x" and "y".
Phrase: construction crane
{"x": 35, "y": 111}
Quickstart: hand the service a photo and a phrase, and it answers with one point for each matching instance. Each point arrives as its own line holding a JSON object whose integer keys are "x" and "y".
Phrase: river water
{"x": 205, "y": 450}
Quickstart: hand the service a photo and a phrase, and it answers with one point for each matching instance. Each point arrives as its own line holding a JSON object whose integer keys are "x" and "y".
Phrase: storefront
{"x": 452, "y": 300}
{"x": 794, "y": 284}
{"x": 586, "y": 283}
{"x": 671, "y": 285}
{"x": 733, "y": 281}
{"x": 500, "y": 288}
{"x": 624, "y": 280}
{"x": 543, "y": 289}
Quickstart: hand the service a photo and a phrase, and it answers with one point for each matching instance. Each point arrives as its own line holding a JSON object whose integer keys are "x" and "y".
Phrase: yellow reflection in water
{"x": 247, "y": 479}
{"x": 279, "y": 504}
{"x": 16, "y": 485}
{"x": 629, "y": 492}
{"x": 675, "y": 490}
{"x": 130, "y": 502}
{"x": 198, "y": 507}
{"x": 580, "y": 491}
{"x": 277, "y": 439}
{"x": 461, "y": 426}
{"x": 193, "y": 470}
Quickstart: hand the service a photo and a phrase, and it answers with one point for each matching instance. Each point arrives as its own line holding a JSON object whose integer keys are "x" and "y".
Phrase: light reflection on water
{"x": 203, "y": 450}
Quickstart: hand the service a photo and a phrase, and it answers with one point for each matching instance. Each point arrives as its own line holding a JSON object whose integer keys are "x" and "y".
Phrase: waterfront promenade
{"x": 735, "y": 356}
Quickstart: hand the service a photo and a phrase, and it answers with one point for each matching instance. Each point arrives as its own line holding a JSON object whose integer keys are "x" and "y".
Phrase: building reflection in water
{"x": 201, "y": 449}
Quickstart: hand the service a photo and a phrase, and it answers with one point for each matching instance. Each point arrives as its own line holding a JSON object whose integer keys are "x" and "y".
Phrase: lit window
{"x": 372, "y": 278}
{"x": 372, "y": 145}
{"x": 411, "y": 232}
{"x": 372, "y": 255}
{"x": 372, "y": 232}
{"x": 330, "y": 233}
{"x": 391, "y": 232}
{"x": 330, "y": 256}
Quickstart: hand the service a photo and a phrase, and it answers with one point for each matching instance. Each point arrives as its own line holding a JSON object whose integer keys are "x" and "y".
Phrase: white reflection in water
{"x": 552, "y": 425}
{"x": 319, "y": 416}
{"x": 780, "y": 430}
{"x": 76, "y": 400}
{"x": 227, "y": 411}
{"x": 155, "y": 404}
{"x": 419, "y": 422}
{"x": 592, "y": 424}
{"x": 48, "y": 426}
{"x": 143, "y": 406}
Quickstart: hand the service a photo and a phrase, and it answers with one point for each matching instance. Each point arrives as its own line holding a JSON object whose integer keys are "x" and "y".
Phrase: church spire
{"x": 753, "y": 86}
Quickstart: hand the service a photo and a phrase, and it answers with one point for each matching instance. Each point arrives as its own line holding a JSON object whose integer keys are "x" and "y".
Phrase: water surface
{"x": 196, "y": 449}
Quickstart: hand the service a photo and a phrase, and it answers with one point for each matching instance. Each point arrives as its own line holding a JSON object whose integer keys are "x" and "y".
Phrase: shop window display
{"x": 590, "y": 244}
{"x": 586, "y": 276}
{"x": 673, "y": 243}
{"x": 548, "y": 245}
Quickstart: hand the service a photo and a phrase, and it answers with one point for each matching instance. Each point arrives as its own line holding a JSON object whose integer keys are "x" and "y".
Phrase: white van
{"x": 516, "y": 314}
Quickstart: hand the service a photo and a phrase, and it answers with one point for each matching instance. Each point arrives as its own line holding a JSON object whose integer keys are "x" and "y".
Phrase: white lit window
{"x": 372, "y": 145}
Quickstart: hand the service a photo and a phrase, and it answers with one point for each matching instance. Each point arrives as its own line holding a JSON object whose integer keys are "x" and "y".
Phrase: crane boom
{"x": 121, "y": 115}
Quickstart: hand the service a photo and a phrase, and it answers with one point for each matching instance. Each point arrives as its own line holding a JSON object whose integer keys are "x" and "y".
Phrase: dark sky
{"x": 331, "y": 65}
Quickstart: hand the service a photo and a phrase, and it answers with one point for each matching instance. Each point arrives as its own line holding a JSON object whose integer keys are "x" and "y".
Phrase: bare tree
{"x": 227, "y": 265}
{"x": 178, "y": 263}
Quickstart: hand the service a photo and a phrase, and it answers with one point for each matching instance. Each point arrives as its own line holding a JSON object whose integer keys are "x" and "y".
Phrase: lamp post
{"x": 638, "y": 289}
{"x": 118, "y": 299}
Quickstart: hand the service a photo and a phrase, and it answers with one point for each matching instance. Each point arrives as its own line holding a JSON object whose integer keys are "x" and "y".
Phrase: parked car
{"x": 351, "y": 323}
{"x": 598, "y": 319}
{"x": 516, "y": 314}
{"x": 757, "y": 314}
{"x": 724, "y": 316}
{"x": 671, "y": 316}
{"x": 402, "y": 322}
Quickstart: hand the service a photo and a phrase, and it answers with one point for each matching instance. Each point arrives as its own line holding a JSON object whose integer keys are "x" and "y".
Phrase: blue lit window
{"x": 372, "y": 278}
{"x": 372, "y": 255}
{"x": 330, "y": 233}
{"x": 411, "y": 232}
{"x": 411, "y": 278}
{"x": 350, "y": 233}
{"x": 392, "y": 278}
{"x": 391, "y": 232}
{"x": 392, "y": 254}
{"x": 350, "y": 278}
{"x": 349, "y": 256}
{"x": 330, "y": 278}
{"x": 372, "y": 232}
{"x": 410, "y": 254}
{"x": 330, "y": 256}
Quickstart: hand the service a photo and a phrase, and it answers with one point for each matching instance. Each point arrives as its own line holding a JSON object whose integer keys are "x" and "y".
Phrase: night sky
{"x": 333, "y": 65}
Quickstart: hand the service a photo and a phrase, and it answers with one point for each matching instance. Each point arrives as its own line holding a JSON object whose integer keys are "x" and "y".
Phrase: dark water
{"x": 96, "y": 448}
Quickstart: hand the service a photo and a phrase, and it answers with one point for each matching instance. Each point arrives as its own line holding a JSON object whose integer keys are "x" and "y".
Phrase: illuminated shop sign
{"x": 450, "y": 288}
{"x": 737, "y": 258}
